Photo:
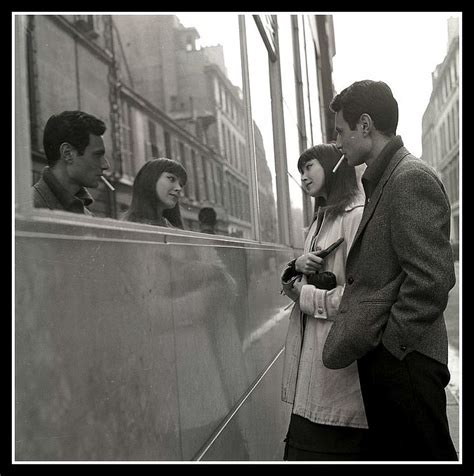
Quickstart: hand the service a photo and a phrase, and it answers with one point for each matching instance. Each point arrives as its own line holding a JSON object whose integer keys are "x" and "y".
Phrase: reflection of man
{"x": 207, "y": 220}
{"x": 75, "y": 153}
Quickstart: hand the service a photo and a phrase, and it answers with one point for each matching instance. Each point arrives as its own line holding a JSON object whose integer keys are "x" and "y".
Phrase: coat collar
{"x": 375, "y": 171}
{"x": 372, "y": 201}
{"x": 74, "y": 203}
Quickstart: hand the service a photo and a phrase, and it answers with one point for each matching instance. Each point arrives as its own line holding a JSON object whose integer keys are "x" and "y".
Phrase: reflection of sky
{"x": 222, "y": 28}
{"x": 218, "y": 28}
{"x": 260, "y": 91}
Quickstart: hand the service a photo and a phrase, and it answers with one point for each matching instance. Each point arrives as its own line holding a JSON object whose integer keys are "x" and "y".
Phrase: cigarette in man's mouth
{"x": 107, "y": 183}
{"x": 338, "y": 164}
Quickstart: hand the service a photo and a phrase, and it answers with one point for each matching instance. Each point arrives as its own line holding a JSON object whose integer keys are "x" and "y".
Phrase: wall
{"x": 137, "y": 345}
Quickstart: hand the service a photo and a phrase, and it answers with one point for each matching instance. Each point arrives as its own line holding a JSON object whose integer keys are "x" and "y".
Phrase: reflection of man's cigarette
{"x": 338, "y": 164}
{"x": 109, "y": 185}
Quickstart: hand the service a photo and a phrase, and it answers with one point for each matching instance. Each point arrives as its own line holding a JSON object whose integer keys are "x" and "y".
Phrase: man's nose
{"x": 104, "y": 164}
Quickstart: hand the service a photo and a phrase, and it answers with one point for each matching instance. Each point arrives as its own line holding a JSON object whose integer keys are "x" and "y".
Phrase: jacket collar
{"x": 74, "y": 203}
{"x": 374, "y": 172}
{"x": 391, "y": 164}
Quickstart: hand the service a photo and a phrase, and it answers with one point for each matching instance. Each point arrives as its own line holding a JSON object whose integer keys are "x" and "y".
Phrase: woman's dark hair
{"x": 144, "y": 204}
{"x": 72, "y": 127}
{"x": 341, "y": 186}
{"x": 374, "y": 98}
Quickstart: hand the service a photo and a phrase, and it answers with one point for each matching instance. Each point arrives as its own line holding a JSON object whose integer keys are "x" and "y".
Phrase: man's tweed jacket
{"x": 399, "y": 269}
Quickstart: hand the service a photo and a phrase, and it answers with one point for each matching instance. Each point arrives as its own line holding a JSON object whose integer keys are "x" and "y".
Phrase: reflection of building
{"x": 440, "y": 130}
{"x": 191, "y": 86}
{"x": 159, "y": 96}
{"x": 266, "y": 198}
{"x": 322, "y": 29}
{"x": 192, "y": 113}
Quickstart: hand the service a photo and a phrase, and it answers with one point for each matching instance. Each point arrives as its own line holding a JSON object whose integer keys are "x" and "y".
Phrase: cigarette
{"x": 338, "y": 164}
{"x": 109, "y": 185}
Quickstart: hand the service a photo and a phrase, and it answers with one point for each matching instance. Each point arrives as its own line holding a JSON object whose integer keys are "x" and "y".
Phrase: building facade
{"x": 440, "y": 127}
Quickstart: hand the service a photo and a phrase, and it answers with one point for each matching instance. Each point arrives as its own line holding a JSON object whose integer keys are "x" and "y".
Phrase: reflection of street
{"x": 452, "y": 323}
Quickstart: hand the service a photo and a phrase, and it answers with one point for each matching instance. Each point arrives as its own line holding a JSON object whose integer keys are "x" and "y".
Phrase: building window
{"x": 127, "y": 141}
{"x": 168, "y": 151}
{"x": 210, "y": 182}
{"x": 152, "y": 139}
{"x": 195, "y": 167}
{"x": 86, "y": 23}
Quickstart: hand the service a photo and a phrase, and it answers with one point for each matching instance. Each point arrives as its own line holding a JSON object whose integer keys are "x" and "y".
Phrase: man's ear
{"x": 366, "y": 123}
{"x": 67, "y": 152}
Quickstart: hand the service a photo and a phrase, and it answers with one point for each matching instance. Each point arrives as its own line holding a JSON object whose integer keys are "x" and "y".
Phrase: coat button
{"x": 403, "y": 348}
{"x": 320, "y": 310}
{"x": 350, "y": 280}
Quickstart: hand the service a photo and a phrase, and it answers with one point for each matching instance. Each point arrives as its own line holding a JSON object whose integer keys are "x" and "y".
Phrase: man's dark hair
{"x": 374, "y": 98}
{"x": 72, "y": 127}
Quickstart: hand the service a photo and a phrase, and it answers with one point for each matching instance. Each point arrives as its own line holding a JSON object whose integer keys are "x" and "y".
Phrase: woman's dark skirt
{"x": 308, "y": 441}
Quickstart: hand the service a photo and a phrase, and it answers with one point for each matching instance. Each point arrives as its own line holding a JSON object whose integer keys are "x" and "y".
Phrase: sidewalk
{"x": 453, "y": 417}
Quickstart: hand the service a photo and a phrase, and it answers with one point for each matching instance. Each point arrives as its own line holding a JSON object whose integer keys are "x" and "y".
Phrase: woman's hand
{"x": 298, "y": 284}
{"x": 309, "y": 263}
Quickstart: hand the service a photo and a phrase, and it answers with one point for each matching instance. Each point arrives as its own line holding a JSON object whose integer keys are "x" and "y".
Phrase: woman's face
{"x": 313, "y": 177}
{"x": 168, "y": 190}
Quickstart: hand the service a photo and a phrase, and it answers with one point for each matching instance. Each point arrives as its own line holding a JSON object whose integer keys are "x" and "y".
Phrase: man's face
{"x": 352, "y": 143}
{"x": 85, "y": 170}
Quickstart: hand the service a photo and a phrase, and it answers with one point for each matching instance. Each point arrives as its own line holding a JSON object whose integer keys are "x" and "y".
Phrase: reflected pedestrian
{"x": 75, "y": 153}
{"x": 207, "y": 220}
{"x": 157, "y": 189}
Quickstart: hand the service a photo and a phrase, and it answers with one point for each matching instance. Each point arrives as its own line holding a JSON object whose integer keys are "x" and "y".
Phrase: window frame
{"x": 22, "y": 154}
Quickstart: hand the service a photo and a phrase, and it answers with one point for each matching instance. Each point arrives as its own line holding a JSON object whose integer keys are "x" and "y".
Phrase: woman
{"x": 156, "y": 192}
{"x": 328, "y": 420}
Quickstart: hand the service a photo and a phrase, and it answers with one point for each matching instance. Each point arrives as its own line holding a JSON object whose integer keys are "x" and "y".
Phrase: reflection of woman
{"x": 328, "y": 420}
{"x": 156, "y": 192}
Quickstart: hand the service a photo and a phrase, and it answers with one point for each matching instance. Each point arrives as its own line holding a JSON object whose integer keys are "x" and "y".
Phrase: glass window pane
{"x": 211, "y": 74}
{"x": 263, "y": 132}
{"x": 310, "y": 83}
{"x": 294, "y": 132}
{"x": 165, "y": 85}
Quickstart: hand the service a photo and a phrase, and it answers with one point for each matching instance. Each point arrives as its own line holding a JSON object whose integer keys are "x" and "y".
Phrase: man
{"x": 398, "y": 275}
{"x": 75, "y": 153}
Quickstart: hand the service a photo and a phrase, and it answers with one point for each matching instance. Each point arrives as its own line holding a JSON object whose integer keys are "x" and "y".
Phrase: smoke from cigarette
{"x": 338, "y": 163}
{"x": 107, "y": 183}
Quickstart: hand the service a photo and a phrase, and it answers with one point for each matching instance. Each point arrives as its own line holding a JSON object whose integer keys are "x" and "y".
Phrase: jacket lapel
{"x": 371, "y": 204}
